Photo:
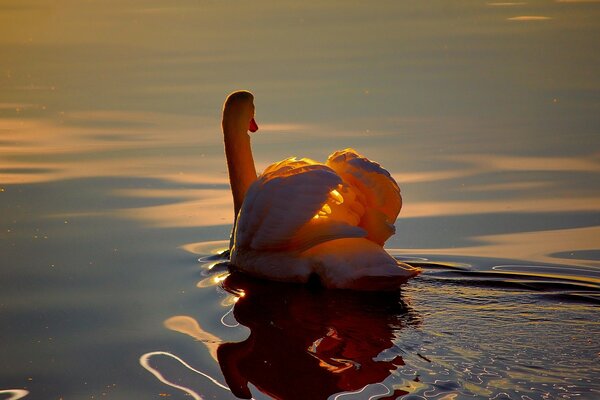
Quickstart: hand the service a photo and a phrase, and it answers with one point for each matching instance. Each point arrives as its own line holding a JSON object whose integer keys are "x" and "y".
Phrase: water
{"x": 113, "y": 184}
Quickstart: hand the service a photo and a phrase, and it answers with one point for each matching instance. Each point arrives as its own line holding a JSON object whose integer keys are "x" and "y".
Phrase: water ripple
{"x": 145, "y": 362}
{"x": 15, "y": 394}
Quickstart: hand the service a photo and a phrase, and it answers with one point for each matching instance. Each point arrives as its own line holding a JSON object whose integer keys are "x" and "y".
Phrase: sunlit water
{"x": 114, "y": 198}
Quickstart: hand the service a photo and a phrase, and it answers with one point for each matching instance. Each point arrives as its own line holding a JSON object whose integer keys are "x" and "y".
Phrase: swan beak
{"x": 253, "y": 127}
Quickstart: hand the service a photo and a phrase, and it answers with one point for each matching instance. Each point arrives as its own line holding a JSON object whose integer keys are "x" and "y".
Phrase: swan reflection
{"x": 306, "y": 343}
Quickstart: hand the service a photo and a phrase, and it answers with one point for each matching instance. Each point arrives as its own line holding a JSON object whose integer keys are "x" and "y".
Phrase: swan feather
{"x": 279, "y": 207}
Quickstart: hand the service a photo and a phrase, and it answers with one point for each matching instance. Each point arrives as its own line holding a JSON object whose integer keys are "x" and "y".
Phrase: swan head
{"x": 238, "y": 112}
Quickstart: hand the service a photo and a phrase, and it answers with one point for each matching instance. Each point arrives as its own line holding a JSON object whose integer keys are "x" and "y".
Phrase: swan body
{"x": 302, "y": 219}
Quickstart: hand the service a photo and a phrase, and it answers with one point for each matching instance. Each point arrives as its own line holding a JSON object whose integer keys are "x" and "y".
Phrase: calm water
{"x": 113, "y": 185}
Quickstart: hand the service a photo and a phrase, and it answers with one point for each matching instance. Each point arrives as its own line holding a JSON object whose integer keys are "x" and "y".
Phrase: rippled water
{"x": 113, "y": 184}
{"x": 470, "y": 329}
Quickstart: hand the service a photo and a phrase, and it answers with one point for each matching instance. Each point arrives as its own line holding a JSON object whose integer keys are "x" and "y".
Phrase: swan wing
{"x": 374, "y": 188}
{"x": 280, "y": 210}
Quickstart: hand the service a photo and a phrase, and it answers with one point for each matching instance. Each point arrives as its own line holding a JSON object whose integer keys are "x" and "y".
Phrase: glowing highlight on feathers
{"x": 338, "y": 198}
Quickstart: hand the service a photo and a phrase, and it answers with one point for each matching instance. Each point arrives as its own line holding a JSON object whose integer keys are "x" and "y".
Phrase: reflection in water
{"x": 304, "y": 342}
{"x": 310, "y": 344}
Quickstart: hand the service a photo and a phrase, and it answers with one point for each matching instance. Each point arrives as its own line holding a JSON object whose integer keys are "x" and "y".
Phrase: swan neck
{"x": 240, "y": 162}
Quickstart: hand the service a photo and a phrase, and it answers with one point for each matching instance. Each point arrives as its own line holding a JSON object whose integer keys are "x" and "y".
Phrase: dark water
{"x": 113, "y": 184}
{"x": 460, "y": 330}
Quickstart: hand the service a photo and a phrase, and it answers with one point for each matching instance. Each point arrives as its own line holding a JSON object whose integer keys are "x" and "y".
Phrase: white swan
{"x": 302, "y": 219}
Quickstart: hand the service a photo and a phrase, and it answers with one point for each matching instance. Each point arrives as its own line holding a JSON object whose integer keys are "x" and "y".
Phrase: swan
{"x": 302, "y": 220}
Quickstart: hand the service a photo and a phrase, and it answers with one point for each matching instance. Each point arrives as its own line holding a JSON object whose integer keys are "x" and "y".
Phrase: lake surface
{"x": 115, "y": 203}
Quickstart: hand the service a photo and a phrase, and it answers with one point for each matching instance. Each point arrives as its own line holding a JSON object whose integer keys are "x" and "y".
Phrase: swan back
{"x": 280, "y": 206}
{"x": 374, "y": 188}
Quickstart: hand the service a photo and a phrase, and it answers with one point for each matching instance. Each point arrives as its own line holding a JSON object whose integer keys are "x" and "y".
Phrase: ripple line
{"x": 16, "y": 393}
{"x": 225, "y": 316}
{"x": 144, "y": 362}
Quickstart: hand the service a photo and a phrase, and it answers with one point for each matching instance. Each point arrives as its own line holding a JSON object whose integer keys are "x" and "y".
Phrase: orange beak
{"x": 253, "y": 127}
